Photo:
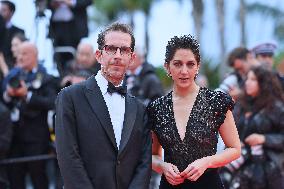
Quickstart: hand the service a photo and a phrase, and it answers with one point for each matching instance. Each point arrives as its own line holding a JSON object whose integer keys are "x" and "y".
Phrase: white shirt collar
{"x": 102, "y": 82}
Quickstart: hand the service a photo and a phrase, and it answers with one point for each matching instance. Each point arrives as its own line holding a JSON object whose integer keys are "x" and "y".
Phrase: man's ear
{"x": 98, "y": 55}
{"x": 133, "y": 56}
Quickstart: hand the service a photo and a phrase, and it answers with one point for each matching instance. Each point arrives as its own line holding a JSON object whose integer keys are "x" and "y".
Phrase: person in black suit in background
{"x": 68, "y": 25}
{"x": 5, "y": 139}
{"x": 69, "y": 21}
{"x": 102, "y": 140}
{"x": 142, "y": 80}
{"x": 2, "y": 33}
{"x": 7, "y": 10}
{"x": 30, "y": 92}
{"x": 3, "y": 65}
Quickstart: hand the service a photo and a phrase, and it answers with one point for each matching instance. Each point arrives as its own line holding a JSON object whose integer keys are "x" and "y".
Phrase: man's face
{"x": 139, "y": 59}
{"x": 266, "y": 59}
{"x": 85, "y": 56}
{"x": 116, "y": 55}
{"x": 27, "y": 57}
{"x": 5, "y": 12}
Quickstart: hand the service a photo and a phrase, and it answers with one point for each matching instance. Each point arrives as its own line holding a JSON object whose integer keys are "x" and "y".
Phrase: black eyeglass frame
{"x": 120, "y": 51}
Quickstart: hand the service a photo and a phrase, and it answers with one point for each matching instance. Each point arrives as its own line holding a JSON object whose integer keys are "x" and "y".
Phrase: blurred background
{"x": 220, "y": 25}
{"x": 234, "y": 35}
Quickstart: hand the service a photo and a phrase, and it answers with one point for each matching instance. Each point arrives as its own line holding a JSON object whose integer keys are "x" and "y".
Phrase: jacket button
{"x": 118, "y": 162}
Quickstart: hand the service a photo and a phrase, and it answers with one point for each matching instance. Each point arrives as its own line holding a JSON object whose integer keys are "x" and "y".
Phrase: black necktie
{"x": 120, "y": 90}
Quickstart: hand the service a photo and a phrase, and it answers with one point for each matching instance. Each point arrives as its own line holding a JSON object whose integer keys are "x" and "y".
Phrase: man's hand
{"x": 18, "y": 92}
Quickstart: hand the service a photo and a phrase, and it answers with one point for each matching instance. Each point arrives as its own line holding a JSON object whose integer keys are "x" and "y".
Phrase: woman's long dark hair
{"x": 270, "y": 90}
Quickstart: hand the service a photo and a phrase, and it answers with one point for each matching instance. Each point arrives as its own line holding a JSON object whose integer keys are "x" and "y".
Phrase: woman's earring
{"x": 196, "y": 75}
{"x": 168, "y": 74}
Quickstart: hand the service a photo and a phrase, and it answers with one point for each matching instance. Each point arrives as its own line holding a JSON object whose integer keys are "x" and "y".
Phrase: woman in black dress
{"x": 186, "y": 122}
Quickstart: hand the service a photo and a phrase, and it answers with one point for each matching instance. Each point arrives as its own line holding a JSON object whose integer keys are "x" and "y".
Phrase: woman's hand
{"x": 172, "y": 174}
{"x": 195, "y": 169}
{"x": 255, "y": 139}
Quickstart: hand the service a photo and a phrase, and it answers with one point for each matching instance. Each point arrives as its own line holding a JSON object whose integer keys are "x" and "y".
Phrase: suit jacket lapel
{"x": 129, "y": 119}
{"x": 97, "y": 102}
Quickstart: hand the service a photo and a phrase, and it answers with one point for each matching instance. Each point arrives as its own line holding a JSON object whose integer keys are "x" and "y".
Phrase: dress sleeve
{"x": 150, "y": 115}
{"x": 223, "y": 103}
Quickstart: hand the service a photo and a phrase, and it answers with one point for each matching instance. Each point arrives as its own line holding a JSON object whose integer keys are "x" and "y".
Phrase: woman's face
{"x": 251, "y": 84}
{"x": 183, "y": 68}
{"x": 15, "y": 43}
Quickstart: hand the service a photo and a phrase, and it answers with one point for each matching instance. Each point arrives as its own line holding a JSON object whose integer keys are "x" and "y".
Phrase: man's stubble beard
{"x": 114, "y": 78}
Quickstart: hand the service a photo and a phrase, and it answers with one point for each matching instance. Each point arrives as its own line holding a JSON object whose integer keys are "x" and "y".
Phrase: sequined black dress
{"x": 201, "y": 137}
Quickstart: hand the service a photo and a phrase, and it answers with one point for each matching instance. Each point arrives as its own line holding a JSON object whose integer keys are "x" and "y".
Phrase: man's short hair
{"x": 237, "y": 53}
{"x": 116, "y": 26}
{"x": 10, "y": 5}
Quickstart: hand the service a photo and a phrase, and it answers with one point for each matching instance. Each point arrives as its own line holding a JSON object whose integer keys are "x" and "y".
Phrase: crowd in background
{"x": 28, "y": 94}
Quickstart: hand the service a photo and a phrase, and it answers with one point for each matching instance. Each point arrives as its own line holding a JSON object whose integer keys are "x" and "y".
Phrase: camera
{"x": 15, "y": 81}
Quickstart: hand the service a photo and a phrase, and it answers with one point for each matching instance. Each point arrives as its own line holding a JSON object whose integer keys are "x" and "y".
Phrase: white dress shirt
{"x": 115, "y": 105}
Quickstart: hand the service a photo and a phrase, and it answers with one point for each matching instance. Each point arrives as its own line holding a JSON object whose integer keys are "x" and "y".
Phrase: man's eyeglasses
{"x": 111, "y": 50}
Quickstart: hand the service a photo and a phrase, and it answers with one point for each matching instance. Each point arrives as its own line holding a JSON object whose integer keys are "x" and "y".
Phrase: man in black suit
{"x": 69, "y": 21}
{"x": 142, "y": 80}
{"x": 30, "y": 92}
{"x": 7, "y": 10}
{"x": 102, "y": 140}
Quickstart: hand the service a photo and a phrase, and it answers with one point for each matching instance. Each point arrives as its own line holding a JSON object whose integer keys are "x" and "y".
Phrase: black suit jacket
{"x": 77, "y": 28}
{"x": 87, "y": 153}
{"x": 2, "y": 33}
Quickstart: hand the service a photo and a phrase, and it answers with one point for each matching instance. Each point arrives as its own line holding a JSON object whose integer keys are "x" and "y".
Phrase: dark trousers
{"x": 36, "y": 169}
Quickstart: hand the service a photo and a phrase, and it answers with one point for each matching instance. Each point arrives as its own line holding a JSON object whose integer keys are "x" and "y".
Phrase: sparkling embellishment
{"x": 201, "y": 137}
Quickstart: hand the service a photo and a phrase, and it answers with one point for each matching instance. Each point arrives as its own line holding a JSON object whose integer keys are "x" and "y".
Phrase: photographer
{"x": 30, "y": 92}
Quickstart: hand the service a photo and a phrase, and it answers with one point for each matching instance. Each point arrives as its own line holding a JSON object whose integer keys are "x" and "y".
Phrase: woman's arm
{"x": 157, "y": 161}
{"x": 230, "y": 137}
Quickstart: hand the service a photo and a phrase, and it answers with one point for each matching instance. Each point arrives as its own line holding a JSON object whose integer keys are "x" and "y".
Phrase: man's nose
{"x": 117, "y": 53}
